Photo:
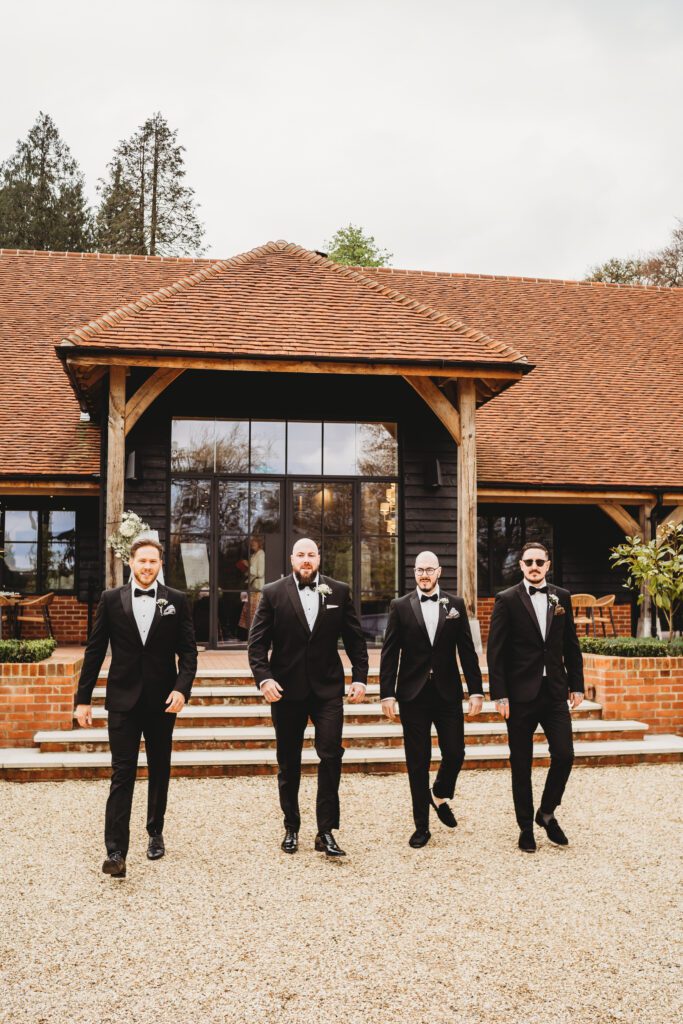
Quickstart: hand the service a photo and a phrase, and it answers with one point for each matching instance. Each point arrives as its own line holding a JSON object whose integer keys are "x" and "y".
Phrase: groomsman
{"x": 418, "y": 669}
{"x": 295, "y": 660}
{"x": 535, "y": 668}
{"x": 147, "y": 625}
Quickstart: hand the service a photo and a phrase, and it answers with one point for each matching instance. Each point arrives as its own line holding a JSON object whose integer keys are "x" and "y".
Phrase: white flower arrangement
{"x": 161, "y": 603}
{"x": 453, "y": 613}
{"x": 122, "y": 539}
{"x": 443, "y": 601}
{"x": 553, "y": 599}
{"x": 323, "y": 589}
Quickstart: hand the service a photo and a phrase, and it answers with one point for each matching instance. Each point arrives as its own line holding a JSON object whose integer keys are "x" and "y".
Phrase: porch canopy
{"x": 281, "y": 308}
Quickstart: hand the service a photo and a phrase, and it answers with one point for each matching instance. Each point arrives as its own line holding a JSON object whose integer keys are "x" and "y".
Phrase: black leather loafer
{"x": 444, "y": 813}
{"x": 419, "y": 838}
{"x": 327, "y": 844}
{"x": 155, "y": 848}
{"x": 553, "y": 830}
{"x": 290, "y": 844}
{"x": 527, "y": 843}
{"x": 115, "y": 865}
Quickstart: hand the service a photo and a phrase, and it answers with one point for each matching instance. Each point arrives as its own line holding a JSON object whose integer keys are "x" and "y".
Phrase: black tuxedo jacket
{"x": 408, "y": 657}
{"x": 517, "y": 653}
{"x": 283, "y": 648}
{"x": 138, "y": 669}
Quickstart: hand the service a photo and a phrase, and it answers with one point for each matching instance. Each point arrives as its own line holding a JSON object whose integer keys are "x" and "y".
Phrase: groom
{"x": 147, "y": 625}
{"x": 294, "y": 657}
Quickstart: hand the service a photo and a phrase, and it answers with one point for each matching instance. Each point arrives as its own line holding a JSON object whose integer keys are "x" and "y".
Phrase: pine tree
{"x": 42, "y": 202}
{"x": 145, "y": 206}
{"x": 353, "y": 248}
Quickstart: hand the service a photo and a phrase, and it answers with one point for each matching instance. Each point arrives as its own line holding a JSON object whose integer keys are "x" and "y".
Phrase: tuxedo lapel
{"x": 293, "y": 594}
{"x": 415, "y": 605}
{"x": 443, "y": 612}
{"x": 321, "y": 607}
{"x": 550, "y": 616}
{"x": 127, "y": 604}
{"x": 161, "y": 593}
{"x": 526, "y": 601}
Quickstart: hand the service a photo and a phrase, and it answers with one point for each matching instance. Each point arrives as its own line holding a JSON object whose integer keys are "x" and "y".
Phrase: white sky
{"x": 531, "y": 138}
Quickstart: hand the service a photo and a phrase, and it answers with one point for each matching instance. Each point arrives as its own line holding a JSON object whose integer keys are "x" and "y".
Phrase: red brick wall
{"x": 39, "y": 696}
{"x": 69, "y": 619}
{"x": 621, "y": 612}
{"x": 647, "y": 689}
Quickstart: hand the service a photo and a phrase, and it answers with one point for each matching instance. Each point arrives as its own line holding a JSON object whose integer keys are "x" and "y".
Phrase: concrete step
{"x": 241, "y": 678}
{"x": 22, "y": 764}
{"x": 368, "y": 735}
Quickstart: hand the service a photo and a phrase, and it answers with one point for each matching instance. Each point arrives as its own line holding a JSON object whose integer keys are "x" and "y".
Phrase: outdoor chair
{"x": 35, "y": 609}
{"x": 6, "y": 621}
{"x": 582, "y": 606}
{"x": 602, "y": 614}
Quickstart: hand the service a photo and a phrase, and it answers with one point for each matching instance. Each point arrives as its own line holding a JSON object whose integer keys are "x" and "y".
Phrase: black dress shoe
{"x": 419, "y": 838}
{"x": 326, "y": 843}
{"x": 527, "y": 841}
{"x": 290, "y": 844}
{"x": 115, "y": 865}
{"x": 155, "y": 847}
{"x": 555, "y": 833}
{"x": 444, "y": 812}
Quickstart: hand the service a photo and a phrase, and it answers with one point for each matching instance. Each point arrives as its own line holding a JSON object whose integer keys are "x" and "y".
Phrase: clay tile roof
{"x": 604, "y": 404}
{"x": 282, "y": 301}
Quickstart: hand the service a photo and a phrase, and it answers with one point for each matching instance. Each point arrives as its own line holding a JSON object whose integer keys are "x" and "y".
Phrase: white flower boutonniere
{"x": 453, "y": 613}
{"x": 164, "y": 607}
{"x": 161, "y": 603}
{"x": 443, "y": 601}
{"x": 323, "y": 590}
{"x": 554, "y": 602}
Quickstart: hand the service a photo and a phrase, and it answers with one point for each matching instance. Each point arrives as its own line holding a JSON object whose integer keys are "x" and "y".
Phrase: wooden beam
{"x": 672, "y": 497}
{"x": 674, "y": 518}
{"x": 562, "y": 496}
{"x": 467, "y": 497}
{"x": 58, "y": 488}
{"x": 439, "y": 404}
{"x": 116, "y": 452}
{"x": 622, "y": 518}
{"x": 148, "y": 393}
{"x": 644, "y": 626}
{"x": 297, "y": 366}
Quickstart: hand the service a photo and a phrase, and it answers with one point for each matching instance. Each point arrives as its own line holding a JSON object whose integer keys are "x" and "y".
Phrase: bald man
{"x": 293, "y": 653}
{"x": 419, "y": 675}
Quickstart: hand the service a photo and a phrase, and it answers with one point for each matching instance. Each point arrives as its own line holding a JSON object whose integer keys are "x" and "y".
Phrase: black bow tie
{"x": 429, "y": 597}
{"x": 302, "y": 586}
{"x": 143, "y": 593}
{"x": 537, "y": 590}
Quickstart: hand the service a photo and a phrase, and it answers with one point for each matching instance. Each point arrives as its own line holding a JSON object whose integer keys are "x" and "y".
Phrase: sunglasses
{"x": 535, "y": 561}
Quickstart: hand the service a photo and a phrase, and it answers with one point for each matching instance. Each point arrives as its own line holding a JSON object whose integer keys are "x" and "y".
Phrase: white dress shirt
{"x": 310, "y": 601}
{"x": 540, "y": 603}
{"x": 144, "y": 607}
{"x": 430, "y": 612}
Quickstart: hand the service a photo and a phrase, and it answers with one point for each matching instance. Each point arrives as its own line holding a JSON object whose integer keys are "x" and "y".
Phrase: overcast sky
{"x": 531, "y": 138}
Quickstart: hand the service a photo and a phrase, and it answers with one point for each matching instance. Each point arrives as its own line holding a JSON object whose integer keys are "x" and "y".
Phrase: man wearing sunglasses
{"x": 535, "y": 674}
{"x": 419, "y": 674}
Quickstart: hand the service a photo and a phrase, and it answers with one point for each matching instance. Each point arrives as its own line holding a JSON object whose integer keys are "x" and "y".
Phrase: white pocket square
{"x": 332, "y": 606}
{"x": 453, "y": 614}
{"x": 170, "y": 610}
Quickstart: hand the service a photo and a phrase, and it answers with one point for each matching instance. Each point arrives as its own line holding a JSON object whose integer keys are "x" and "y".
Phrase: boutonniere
{"x": 161, "y": 603}
{"x": 453, "y": 613}
{"x": 554, "y": 602}
{"x": 164, "y": 607}
{"x": 323, "y": 590}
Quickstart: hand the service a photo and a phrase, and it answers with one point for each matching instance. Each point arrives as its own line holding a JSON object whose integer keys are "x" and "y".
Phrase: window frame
{"x": 42, "y": 542}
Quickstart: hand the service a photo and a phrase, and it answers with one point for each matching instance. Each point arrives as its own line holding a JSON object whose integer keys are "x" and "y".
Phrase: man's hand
{"x": 175, "y": 701}
{"x": 474, "y": 706}
{"x": 503, "y": 707}
{"x": 575, "y": 699}
{"x": 271, "y": 690}
{"x": 356, "y": 693}
{"x": 84, "y": 715}
{"x": 390, "y": 708}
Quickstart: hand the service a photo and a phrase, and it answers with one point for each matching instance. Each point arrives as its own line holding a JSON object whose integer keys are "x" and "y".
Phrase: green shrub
{"x": 22, "y": 651}
{"x": 676, "y": 647}
{"x": 625, "y": 646}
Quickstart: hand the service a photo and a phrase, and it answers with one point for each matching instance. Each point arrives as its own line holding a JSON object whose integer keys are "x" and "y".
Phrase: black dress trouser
{"x": 290, "y": 718}
{"x": 126, "y": 729}
{"x": 417, "y": 717}
{"x": 554, "y": 718}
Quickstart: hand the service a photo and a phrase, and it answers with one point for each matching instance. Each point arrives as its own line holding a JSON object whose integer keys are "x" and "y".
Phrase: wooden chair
{"x": 35, "y": 609}
{"x": 582, "y": 606}
{"x": 6, "y": 618}
{"x": 602, "y": 614}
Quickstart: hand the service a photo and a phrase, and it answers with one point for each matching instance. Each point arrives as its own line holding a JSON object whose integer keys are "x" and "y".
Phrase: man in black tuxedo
{"x": 535, "y": 667}
{"x": 301, "y": 617}
{"x": 147, "y": 625}
{"x": 418, "y": 668}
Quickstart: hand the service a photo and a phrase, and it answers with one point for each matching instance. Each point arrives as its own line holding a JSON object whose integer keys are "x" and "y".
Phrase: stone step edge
{"x": 26, "y": 758}
{"x": 379, "y": 731}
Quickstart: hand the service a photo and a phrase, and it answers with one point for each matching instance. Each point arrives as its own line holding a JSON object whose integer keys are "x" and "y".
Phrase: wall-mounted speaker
{"x": 433, "y": 474}
{"x": 133, "y": 468}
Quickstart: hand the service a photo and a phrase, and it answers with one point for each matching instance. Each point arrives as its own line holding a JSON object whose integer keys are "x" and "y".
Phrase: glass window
{"x": 189, "y": 548}
{"x": 39, "y": 550}
{"x": 20, "y": 570}
{"x": 304, "y": 448}
{"x": 499, "y": 539}
{"x": 339, "y": 455}
{"x": 306, "y": 510}
{"x": 377, "y": 449}
{"x": 60, "y": 550}
{"x": 193, "y": 446}
{"x": 268, "y": 446}
{"x": 232, "y": 446}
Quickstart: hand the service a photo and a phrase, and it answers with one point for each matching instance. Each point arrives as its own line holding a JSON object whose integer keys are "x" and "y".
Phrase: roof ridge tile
{"x": 464, "y": 275}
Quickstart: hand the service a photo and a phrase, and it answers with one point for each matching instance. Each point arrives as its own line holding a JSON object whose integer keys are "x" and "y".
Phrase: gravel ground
{"x": 228, "y": 929}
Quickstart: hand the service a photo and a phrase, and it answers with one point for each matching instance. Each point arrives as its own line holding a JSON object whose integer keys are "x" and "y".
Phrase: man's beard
{"x": 305, "y": 575}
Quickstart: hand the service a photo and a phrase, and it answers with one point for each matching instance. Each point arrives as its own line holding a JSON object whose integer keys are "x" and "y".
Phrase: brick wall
{"x": 621, "y": 612}
{"x": 39, "y": 696}
{"x": 69, "y": 618}
{"x": 647, "y": 689}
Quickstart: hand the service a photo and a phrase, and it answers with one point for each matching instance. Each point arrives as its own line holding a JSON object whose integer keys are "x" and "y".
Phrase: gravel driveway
{"x": 227, "y": 928}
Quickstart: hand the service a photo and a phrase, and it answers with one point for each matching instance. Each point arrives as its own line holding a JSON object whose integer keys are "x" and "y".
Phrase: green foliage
{"x": 23, "y": 651}
{"x": 42, "y": 203}
{"x": 676, "y": 647}
{"x": 663, "y": 268}
{"x": 625, "y": 646}
{"x": 145, "y": 206}
{"x": 618, "y": 271}
{"x": 656, "y": 566}
{"x": 353, "y": 248}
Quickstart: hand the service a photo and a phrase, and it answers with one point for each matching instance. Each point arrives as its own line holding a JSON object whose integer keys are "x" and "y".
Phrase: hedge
{"x": 630, "y": 646}
{"x": 21, "y": 651}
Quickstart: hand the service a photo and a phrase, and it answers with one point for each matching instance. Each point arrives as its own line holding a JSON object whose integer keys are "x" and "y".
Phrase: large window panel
{"x": 339, "y": 454}
{"x": 500, "y": 536}
{"x": 268, "y": 446}
{"x": 21, "y": 551}
{"x": 232, "y": 446}
{"x": 304, "y": 448}
{"x": 60, "y": 550}
{"x": 377, "y": 449}
{"x": 193, "y": 446}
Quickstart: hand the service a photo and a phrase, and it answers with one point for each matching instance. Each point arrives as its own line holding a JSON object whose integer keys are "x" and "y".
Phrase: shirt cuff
{"x": 477, "y": 695}
{"x": 263, "y": 683}
{"x": 356, "y": 683}
{"x": 386, "y": 698}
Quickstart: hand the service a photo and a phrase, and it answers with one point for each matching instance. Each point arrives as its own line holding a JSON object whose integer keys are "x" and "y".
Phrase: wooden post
{"x": 467, "y": 498}
{"x": 116, "y": 451}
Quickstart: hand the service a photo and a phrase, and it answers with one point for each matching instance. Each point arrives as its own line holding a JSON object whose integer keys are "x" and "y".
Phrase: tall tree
{"x": 42, "y": 202}
{"x": 145, "y": 205}
{"x": 352, "y": 247}
{"x": 664, "y": 267}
